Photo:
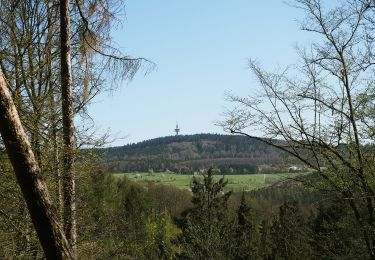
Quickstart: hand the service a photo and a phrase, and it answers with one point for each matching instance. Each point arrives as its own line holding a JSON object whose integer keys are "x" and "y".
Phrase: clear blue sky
{"x": 201, "y": 49}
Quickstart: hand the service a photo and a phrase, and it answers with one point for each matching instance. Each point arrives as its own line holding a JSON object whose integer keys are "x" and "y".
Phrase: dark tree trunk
{"x": 68, "y": 126}
{"x": 30, "y": 180}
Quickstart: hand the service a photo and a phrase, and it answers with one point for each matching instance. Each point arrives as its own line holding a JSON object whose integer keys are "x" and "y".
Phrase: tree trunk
{"x": 29, "y": 178}
{"x": 68, "y": 126}
{"x": 56, "y": 160}
{"x": 54, "y": 113}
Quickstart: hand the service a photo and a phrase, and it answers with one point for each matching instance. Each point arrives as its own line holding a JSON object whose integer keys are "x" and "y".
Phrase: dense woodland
{"x": 187, "y": 154}
{"x": 120, "y": 219}
{"x": 59, "y": 201}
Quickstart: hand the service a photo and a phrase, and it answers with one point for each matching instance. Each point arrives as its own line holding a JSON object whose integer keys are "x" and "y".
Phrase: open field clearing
{"x": 235, "y": 182}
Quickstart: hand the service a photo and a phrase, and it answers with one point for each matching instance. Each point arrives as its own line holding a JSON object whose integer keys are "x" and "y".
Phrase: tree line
{"x": 59, "y": 202}
{"x": 192, "y": 153}
{"x": 121, "y": 219}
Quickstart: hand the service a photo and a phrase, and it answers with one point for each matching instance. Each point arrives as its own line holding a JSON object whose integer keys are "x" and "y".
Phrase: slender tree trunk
{"x": 29, "y": 178}
{"x": 68, "y": 126}
{"x": 56, "y": 156}
{"x": 53, "y": 113}
{"x": 56, "y": 160}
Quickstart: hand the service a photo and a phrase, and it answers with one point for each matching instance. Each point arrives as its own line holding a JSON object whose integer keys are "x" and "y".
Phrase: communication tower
{"x": 177, "y": 130}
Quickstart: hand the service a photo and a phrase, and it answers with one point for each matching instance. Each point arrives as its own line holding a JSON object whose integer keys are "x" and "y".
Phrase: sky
{"x": 201, "y": 49}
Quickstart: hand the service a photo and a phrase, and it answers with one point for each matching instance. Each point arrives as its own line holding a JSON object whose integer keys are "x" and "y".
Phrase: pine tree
{"x": 205, "y": 227}
{"x": 290, "y": 234}
{"x": 265, "y": 247}
{"x": 246, "y": 236}
{"x": 334, "y": 234}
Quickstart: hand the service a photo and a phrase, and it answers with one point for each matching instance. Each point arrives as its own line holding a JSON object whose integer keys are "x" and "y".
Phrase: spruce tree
{"x": 205, "y": 226}
{"x": 290, "y": 234}
{"x": 246, "y": 233}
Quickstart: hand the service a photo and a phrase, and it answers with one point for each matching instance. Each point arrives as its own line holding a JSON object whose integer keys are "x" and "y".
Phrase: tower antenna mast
{"x": 177, "y": 130}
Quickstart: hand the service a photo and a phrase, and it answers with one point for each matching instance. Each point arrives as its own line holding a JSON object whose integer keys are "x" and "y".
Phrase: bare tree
{"x": 30, "y": 60}
{"x": 318, "y": 111}
{"x": 29, "y": 178}
{"x": 68, "y": 126}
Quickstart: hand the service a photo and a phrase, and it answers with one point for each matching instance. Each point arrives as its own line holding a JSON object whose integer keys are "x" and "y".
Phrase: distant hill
{"x": 190, "y": 153}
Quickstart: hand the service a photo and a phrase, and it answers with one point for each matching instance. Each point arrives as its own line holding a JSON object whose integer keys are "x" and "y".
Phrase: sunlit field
{"x": 245, "y": 182}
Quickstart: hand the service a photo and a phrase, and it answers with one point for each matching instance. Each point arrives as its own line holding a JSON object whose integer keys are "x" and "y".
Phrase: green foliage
{"x": 17, "y": 236}
{"x": 265, "y": 243}
{"x": 240, "y": 182}
{"x": 290, "y": 234}
{"x": 166, "y": 197}
{"x": 335, "y": 236}
{"x": 246, "y": 235}
{"x": 205, "y": 226}
{"x": 186, "y": 154}
{"x": 121, "y": 219}
{"x": 151, "y": 237}
{"x": 118, "y": 218}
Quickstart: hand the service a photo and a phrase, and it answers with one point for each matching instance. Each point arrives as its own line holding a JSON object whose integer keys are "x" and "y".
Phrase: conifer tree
{"x": 205, "y": 227}
{"x": 246, "y": 236}
{"x": 265, "y": 247}
{"x": 290, "y": 234}
{"x": 334, "y": 235}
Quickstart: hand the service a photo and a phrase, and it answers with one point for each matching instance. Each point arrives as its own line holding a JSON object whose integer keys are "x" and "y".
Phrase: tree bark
{"x": 30, "y": 180}
{"x": 68, "y": 126}
{"x": 53, "y": 112}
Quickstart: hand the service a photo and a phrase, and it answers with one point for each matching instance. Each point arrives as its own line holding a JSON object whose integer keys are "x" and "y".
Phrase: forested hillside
{"x": 60, "y": 201}
{"x": 188, "y": 153}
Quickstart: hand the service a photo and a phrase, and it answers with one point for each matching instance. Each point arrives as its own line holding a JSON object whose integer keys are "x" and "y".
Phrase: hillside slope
{"x": 190, "y": 153}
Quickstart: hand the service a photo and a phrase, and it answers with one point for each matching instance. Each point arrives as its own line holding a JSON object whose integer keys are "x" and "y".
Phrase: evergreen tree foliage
{"x": 186, "y": 154}
{"x": 335, "y": 236}
{"x": 205, "y": 227}
{"x": 265, "y": 243}
{"x": 246, "y": 233}
{"x": 290, "y": 234}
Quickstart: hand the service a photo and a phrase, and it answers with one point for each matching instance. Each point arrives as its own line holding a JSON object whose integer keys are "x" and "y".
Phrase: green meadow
{"x": 245, "y": 182}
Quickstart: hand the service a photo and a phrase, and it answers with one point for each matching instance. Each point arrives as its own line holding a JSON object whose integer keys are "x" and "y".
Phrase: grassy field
{"x": 235, "y": 182}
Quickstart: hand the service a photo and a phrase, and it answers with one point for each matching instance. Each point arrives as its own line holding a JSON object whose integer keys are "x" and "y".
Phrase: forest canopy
{"x": 59, "y": 198}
